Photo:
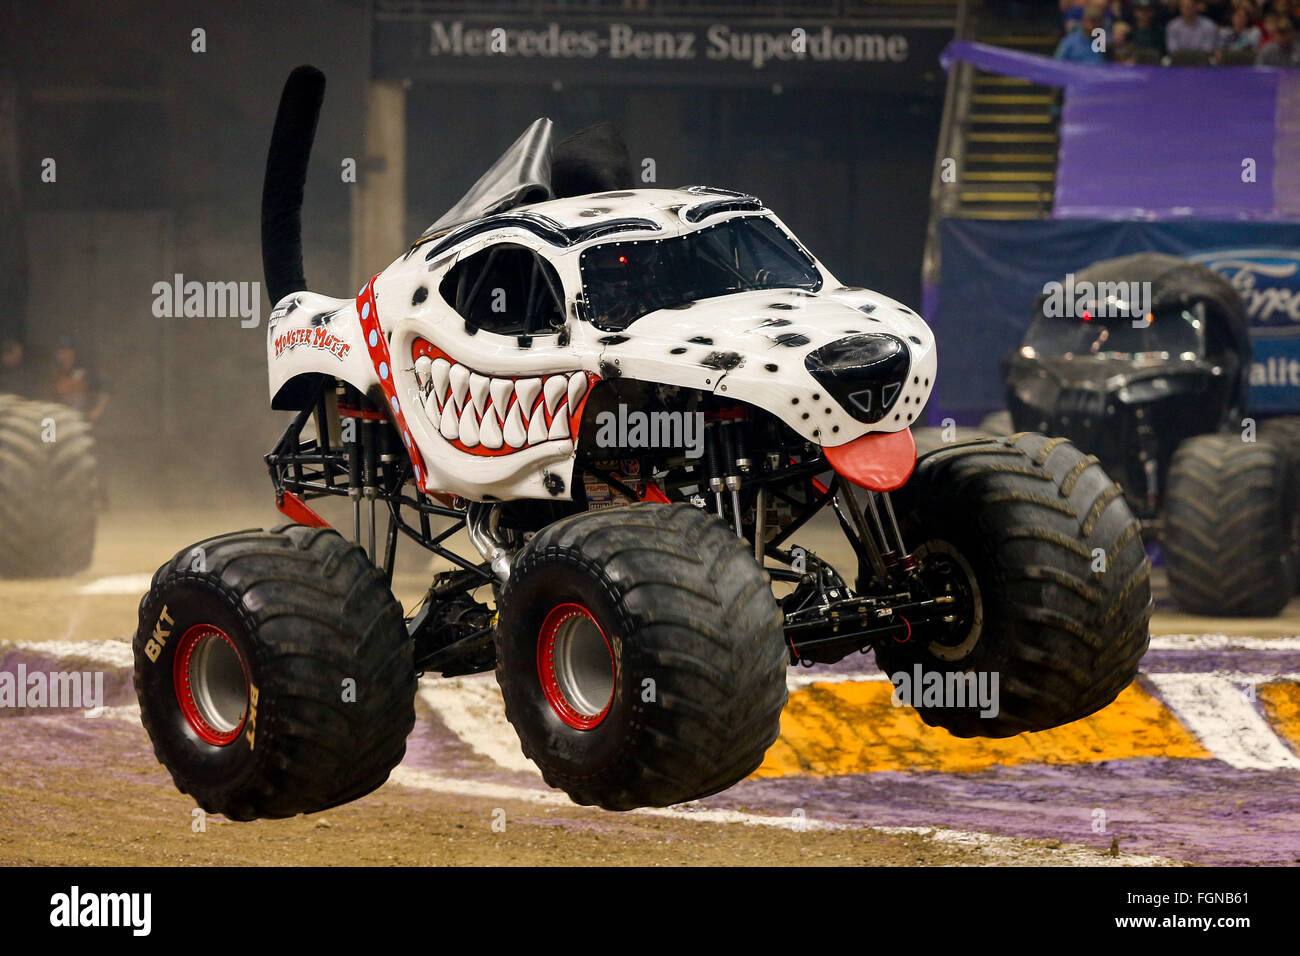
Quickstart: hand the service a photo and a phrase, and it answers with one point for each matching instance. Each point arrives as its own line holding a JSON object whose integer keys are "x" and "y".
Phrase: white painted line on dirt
{"x": 1211, "y": 705}
{"x": 1222, "y": 642}
{"x": 135, "y": 584}
{"x": 1215, "y": 708}
{"x": 112, "y": 653}
{"x": 127, "y": 712}
{"x": 797, "y": 681}
{"x": 1006, "y": 849}
{"x": 473, "y": 710}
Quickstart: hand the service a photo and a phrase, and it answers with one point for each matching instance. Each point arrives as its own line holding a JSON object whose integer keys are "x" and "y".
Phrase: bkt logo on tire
{"x": 160, "y": 634}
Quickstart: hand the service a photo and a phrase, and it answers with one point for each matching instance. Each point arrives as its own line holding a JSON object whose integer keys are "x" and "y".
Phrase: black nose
{"x": 864, "y": 373}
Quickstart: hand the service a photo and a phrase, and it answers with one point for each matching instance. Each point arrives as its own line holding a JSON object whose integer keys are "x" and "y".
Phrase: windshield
{"x": 625, "y": 280}
{"x": 1178, "y": 333}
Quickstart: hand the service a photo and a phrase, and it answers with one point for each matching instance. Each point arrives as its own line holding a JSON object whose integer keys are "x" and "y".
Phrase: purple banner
{"x": 1148, "y": 142}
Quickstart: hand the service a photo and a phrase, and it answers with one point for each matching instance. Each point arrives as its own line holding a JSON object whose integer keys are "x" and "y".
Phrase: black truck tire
{"x": 1230, "y": 526}
{"x": 640, "y": 655}
{"x": 1284, "y": 431}
{"x": 274, "y": 672}
{"x": 1061, "y": 581}
{"x": 48, "y": 490}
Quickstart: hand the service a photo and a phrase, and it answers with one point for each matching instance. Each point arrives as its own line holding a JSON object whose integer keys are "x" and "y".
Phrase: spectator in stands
{"x": 1239, "y": 35}
{"x": 1079, "y": 45}
{"x": 76, "y": 383}
{"x": 1191, "y": 32}
{"x": 15, "y": 377}
{"x": 1147, "y": 34}
{"x": 1121, "y": 45}
{"x": 1282, "y": 49}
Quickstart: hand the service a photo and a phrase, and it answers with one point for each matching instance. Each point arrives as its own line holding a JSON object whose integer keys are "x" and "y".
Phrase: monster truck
{"x": 1157, "y": 391}
{"x": 629, "y": 588}
{"x": 47, "y": 460}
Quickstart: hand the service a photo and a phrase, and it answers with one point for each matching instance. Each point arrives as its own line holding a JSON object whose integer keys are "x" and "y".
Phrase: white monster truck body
{"x": 495, "y": 416}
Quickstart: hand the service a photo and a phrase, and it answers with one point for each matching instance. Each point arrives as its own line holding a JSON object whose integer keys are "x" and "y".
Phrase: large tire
{"x": 48, "y": 490}
{"x": 1284, "y": 431}
{"x": 274, "y": 672}
{"x": 694, "y": 641}
{"x": 1029, "y": 517}
{"x": 1230, "y": 527}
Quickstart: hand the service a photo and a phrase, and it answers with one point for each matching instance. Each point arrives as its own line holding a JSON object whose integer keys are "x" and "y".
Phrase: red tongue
{"x": 880, "y": 461}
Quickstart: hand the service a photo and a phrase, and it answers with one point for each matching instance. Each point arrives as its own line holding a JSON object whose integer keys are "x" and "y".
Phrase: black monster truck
{"x": 1156, "y": 390}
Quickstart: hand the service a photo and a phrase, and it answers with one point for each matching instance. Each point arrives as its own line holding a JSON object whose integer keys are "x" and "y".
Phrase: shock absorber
{"x": 730, "y": 441}
{"x": 713, "y": 464}
{"x": 370, "y": 488}
{"x": 352, "y": 446}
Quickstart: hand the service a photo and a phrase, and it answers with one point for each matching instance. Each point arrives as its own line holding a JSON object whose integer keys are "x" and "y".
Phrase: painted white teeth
{"x": 468, "y": 428}
{"x": 553, "y": 390}
{"x": 559, "y": 426}
{"x": 439, "y": 372}
{"x": 501, "y": 389}
{"x": 526, "y": 390}
{"x": 489, "y": 432}
{"x": 478, "y": 390}
{"x": 459, "y": 385}
{"x": 450, "y": 425}
{"x": 515, "y": 434}
{"x": 478, "y": 410}
{"x": 577, "y": 388}
{"x": 537, "y": 428}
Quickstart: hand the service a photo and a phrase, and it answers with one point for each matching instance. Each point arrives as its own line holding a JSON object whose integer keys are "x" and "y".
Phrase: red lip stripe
{"x": 423, "y": 347}
{"x": 377, "y": 344}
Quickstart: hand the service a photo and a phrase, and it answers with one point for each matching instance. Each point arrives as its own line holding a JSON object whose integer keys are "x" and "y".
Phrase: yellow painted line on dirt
{"x": 851, "y": 727}
{"x": 1281, "y": 702}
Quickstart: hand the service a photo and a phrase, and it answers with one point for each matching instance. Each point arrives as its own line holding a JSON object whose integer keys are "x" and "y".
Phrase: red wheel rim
{"x": 211, "y": 684}
{"x": 576, "y": 666}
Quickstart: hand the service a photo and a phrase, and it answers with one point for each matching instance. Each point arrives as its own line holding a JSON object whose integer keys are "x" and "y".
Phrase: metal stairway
{"x": 1007, "y": 168}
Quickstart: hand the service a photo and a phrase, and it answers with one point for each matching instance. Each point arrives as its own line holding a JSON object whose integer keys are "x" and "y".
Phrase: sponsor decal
{"x": 316, "y": 338}
{"x": 252, "y": 714}
{"x": 1268, "y": 281}
{"x": 160, "y": 634}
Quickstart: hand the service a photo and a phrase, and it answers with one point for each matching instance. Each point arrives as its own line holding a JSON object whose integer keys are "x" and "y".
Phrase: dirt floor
{"x": 1161, "y": 776}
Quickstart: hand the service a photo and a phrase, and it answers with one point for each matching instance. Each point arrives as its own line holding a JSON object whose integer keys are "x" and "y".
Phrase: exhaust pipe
{"x": 286, "y": 173}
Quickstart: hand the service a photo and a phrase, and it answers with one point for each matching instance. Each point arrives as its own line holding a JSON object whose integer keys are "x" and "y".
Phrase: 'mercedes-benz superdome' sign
{"x": 759, "y": 52}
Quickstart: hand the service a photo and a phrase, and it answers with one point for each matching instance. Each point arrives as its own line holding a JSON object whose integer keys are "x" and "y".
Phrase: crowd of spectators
{"x": 1180, "y": 32}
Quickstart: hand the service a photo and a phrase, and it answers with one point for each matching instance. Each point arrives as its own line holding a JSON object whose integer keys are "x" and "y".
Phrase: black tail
{"x": 286, "y": 172}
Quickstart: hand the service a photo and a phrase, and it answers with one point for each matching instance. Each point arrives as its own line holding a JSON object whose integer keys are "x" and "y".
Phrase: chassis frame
{"x": 356, "y": 454}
